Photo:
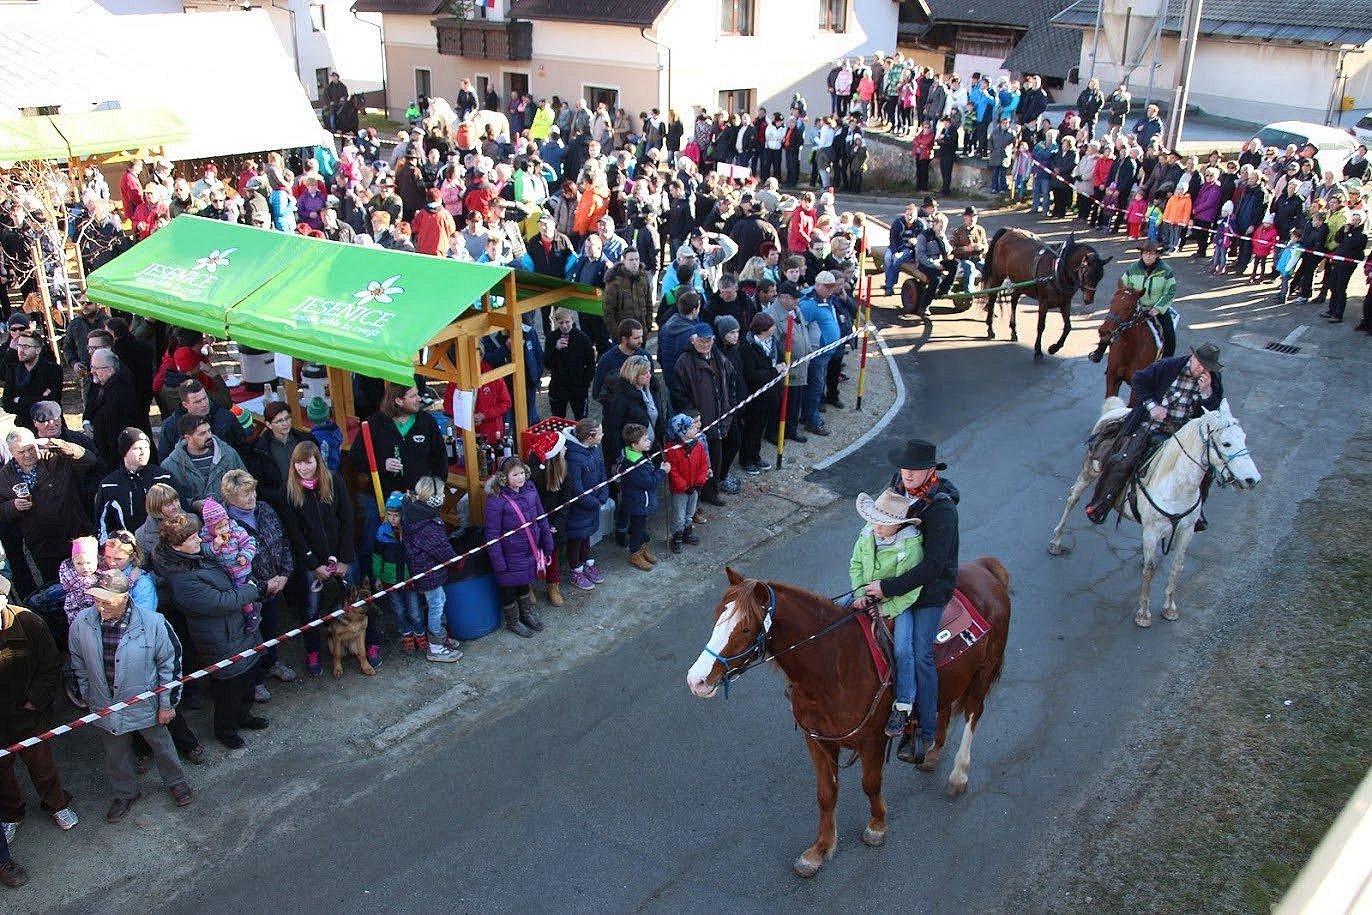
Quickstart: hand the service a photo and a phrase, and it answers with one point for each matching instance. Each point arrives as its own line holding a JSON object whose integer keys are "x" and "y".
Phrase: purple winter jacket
{"x": 513, "y": 557}
{"x": 1208, "y": 201}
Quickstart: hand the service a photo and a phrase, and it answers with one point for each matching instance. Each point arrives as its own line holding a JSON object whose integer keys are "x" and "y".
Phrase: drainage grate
{"x": 1285, "y": 348}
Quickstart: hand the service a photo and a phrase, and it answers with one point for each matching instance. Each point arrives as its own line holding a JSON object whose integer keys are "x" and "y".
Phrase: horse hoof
{"x": 955, "y": 787}
{"x": 1057, "y": 549}
{"x": 1038, "y": 355}
{"x": 990, "y": 335}
{"x": 1170, "y": 614}
{"x": 1014, "y": 338}
{"x": 873, "y": 838}
{"x": 1143, "y": 619}
{"x": 804, "y": 868}
{"x": 1053, "y": 350}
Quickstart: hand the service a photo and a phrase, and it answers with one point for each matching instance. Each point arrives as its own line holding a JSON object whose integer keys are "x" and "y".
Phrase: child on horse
{"x": 888, "y": 546}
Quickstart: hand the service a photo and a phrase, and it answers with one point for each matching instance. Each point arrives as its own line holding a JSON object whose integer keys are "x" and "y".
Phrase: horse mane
{"x": 991, "y": 248}
{"x": 1170, "y": 454}
{"x": 745, "y": 598}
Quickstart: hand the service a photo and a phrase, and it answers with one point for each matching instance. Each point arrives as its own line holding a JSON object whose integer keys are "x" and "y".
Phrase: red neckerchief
{"x": 920, "y": 492}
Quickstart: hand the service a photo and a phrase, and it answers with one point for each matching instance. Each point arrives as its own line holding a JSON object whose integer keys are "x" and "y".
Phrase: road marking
{"x": 885, "y": 419}
{"x": 1295, "y": 335}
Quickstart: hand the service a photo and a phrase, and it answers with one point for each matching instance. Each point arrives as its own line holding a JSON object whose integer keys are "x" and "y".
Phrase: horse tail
{"x": 991, "y": 249}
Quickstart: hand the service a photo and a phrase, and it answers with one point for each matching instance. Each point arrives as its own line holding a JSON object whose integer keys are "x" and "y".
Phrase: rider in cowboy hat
{"x": 1155, "y": 280}
{"x": 1169, "y": 394}
{"x": 933, "y": 502}
{"x": 889, "y": 546}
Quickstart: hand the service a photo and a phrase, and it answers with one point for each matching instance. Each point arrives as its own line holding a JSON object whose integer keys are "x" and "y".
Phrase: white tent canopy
{"x": 224, "y": 74}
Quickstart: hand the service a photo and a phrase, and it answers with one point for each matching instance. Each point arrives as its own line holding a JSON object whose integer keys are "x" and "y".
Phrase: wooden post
{"x": 41, "y": 276}
{"x": 521, "y": 396}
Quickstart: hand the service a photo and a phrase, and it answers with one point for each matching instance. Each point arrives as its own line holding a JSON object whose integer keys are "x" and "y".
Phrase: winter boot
{"x": 647, "y": 553}
{"x": 513, "y": 623}
{"x": 554, "y": 594}
{"x": 689, "y": 535}
{"x": 527, "y": 615}
{"x": 639, "y": 561}
{"x": 676, "y": 542}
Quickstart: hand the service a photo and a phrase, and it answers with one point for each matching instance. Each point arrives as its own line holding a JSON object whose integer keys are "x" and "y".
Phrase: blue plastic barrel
{"x": 472, "y": 607}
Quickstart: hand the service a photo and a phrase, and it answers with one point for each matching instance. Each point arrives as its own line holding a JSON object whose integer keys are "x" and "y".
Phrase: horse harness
{"x": 757, "y": 654}
{"x": 1072, "y": 281}
{"x": 1225, "y": 476}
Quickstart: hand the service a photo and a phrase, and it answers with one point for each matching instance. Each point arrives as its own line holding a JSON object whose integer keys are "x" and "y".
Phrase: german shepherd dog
{"x": 348, "y": 633}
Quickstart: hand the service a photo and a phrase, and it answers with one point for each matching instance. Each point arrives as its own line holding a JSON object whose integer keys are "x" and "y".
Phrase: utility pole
{"x": 1188, "y": 60}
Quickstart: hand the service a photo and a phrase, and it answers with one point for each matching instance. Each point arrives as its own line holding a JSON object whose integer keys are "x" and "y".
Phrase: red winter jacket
{"x": 690, "y": 468}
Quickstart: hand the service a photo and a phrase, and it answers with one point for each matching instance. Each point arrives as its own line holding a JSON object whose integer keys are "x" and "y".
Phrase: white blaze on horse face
{"x": 700, "y": 670}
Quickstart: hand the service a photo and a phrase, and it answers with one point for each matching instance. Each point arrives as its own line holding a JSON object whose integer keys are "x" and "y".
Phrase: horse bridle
{"x": 1081, "y": 272}
{"x": 1225, "y": 473}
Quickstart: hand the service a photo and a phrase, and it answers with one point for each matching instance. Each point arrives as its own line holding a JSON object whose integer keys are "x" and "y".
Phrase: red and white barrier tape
{"x": 1195, "y": 228}
{"x": 95, "y": 716}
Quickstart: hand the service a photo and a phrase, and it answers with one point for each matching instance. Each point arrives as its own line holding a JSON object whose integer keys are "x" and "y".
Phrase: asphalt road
{"x": 611, "y": 788}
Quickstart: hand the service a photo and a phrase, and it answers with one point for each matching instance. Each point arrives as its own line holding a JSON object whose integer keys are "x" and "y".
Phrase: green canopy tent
{"x": 366, "y": 310}
{"x": 353, "y": 309}
{"x": 89, "y": 134}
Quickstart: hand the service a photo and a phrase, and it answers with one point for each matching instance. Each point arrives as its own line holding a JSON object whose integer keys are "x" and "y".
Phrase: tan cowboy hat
{"x": 888, "y": 508}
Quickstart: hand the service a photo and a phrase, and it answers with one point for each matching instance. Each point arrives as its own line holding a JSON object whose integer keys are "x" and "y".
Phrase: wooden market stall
{"x": 384, "y": 314}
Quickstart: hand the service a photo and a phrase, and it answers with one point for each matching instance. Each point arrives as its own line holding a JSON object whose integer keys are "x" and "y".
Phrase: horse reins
{"x": 1209, "y": 439}
{"x": 756, "y": 654}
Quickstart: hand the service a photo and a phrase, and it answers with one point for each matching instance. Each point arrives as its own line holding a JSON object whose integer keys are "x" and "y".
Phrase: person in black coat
{"x": 1155, "y": 389}
{"x": 571, "y": 360}
{"x": 112, "y": 405}
{"x": 29, "y": 378}
{"x": 138, "y": 358}
{"x": 934, "y": 502}
{"x": 760, "y": 364}
{"x": 627, "y": 399}
{"x": 213, "y": 606}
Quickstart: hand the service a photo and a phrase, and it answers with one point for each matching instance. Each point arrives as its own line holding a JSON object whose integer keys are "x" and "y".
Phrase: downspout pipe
{"x": 663, "y": 105}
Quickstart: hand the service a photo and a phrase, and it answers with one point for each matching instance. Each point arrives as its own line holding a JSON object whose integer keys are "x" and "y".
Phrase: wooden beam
{"x": 521, "y": 400}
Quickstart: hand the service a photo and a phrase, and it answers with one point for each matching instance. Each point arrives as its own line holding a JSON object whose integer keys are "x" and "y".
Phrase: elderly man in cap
{"x": 1168, "y": 394}
{"x": 933, "y": 502}
{"x": 48, "y": 423}
{"x": 968, "y": 244}
{"x": 704, "y": 379}
{"x": 119, "y": 650}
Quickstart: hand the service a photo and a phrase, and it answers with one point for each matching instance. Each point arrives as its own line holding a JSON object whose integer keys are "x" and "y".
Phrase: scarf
{"x": 650, "y": 405}
{"x": 245, "y": 517}
{"x": 921, "y": 492}
{"x": 309, "y": 484}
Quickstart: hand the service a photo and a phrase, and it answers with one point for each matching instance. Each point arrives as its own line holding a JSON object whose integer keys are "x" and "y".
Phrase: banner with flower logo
{"x": 367, "y": 310}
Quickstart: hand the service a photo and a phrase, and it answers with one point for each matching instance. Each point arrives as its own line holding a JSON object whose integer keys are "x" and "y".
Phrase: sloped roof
{"x": 1019, "y": 13}
{"x": 1340, "y": 23}
{"x": 413, "y": 7}
{"x": 78, "y": 57}
{"x": 1045, "y": 49}
{"x": 636, "y": 13}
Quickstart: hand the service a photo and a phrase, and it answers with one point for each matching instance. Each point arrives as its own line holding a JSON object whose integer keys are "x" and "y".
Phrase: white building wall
{"x": 1247, "y": 81}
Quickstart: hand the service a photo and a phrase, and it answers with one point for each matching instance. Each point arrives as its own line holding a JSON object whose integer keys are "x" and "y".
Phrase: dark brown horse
{"x": 1125, "y": 333}
{"x": 1017, "y": 256}
{"x": 837, "y": 698}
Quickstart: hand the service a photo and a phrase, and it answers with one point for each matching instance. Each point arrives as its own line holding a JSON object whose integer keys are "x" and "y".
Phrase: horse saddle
{"x": 960, "y": 627}
{"x": 1155, "y": 330}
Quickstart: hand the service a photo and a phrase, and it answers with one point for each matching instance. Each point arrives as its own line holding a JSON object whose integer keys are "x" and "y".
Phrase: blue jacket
{"x": 638, "y": 488}
{"x": 1149, "y": 385}
{"x": 585, "y": 469}
{"x": 673, "y": 338}
{"x": 824, "y": 314}
{"x": 329, "y": 438}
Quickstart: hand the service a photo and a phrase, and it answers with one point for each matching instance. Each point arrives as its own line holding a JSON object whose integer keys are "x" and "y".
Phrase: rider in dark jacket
{"x": 934, "y": 501}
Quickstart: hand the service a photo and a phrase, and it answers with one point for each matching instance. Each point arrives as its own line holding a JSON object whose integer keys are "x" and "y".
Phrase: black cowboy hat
{"x": 1149, "y": 245}
{"x": 1209, "y": 356}
{"x": 917, "y": 455}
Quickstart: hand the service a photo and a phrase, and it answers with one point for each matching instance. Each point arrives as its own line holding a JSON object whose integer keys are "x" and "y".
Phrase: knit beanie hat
{"x": 724, "y": 324}
{"x": 317, "y": 410}
{"x": 213, "y": 513}
{"x": 679, "y": 426}
{"x": 130, "y": 437}
{"x": 243, "y": 416}
{"x": 395, "y": 500}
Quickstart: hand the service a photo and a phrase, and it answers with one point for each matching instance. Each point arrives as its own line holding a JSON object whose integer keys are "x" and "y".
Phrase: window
{"x": 317, "y": 23}
{"x": 736, "y": 17}
{"x": 833, "y": 15}
{"x": 594, "y": 95}
{"x": 737, "y": 101}
{"x": 321, "y": 81}
{"x": 423, "y": 84}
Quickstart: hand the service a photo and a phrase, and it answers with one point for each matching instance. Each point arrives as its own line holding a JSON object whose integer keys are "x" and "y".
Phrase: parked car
{"x": 1332, "y": 145}
{"x": 1363, "y": 129}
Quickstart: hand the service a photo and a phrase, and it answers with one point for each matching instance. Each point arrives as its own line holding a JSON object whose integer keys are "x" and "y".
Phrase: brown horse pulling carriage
{"x": 1018, "y": 261}
{"x": 837, "y": 696}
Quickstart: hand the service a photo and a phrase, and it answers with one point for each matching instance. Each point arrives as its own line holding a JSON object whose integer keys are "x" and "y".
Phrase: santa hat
{"x": 545, "y": 446}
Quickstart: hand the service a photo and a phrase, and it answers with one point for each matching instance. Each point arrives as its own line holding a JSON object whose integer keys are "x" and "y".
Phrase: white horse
{"x": 1165, "y": 498}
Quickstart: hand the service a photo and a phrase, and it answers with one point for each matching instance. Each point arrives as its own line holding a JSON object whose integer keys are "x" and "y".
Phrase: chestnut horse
{"x": 1126, "y": 334}
{"x": 837, "y": 698}
{"x": 1017, "y": 256}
